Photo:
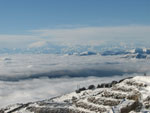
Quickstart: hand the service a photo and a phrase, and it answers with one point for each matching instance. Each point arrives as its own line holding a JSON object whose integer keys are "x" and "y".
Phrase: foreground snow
{"x": 129, "y": 95}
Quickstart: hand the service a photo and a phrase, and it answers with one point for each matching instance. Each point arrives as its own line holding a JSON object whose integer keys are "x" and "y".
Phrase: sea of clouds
{"x": 28, "y": 77}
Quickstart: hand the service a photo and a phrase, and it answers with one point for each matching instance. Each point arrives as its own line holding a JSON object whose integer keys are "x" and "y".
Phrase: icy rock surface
{"x": 131, "y": 95}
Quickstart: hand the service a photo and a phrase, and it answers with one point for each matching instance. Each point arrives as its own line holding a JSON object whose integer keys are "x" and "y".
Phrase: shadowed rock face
{"x": 121, "y": 97}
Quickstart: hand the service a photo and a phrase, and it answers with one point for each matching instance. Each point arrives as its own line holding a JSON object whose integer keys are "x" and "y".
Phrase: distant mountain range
{"x": 139, "y": 53}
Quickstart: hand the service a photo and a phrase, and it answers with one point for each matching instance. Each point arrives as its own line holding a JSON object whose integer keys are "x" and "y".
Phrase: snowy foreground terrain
{"x": 124, "y": 96}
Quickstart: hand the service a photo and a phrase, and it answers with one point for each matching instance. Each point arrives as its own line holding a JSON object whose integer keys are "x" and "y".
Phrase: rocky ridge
{"x": 131, "y": 95}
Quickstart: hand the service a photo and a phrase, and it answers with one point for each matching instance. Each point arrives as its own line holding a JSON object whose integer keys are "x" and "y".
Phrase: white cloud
{"x": 38, "y": 44}
{"x": 26, "y": 66}
{"x": 78, "y": 36}
{"x": 96, "y": 35}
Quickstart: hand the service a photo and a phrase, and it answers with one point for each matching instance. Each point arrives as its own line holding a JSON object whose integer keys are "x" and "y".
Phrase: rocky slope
{"x": 128, "y": 95}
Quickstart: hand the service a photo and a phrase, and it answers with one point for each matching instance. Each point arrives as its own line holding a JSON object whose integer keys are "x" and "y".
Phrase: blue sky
{"x": 19, "y": 18}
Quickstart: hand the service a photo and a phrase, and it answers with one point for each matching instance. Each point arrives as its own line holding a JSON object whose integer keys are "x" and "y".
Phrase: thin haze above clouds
{"x": 77, "y": 36}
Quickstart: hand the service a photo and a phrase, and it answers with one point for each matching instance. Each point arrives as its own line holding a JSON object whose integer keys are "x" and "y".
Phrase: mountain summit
{"x": 124, "y": 96}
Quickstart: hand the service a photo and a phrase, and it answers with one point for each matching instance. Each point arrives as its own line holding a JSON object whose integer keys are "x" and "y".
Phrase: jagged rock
{"x": 122, "y": 88}
{"x": 74, "y": 99}
{"x": 129, "y": 107}
{"x": 136, "y": 83}
{"x": 105, "y": 85}
{"x": 108, "y": 85}
{"x": 124, "y": 79}
{"x": 101, "y": 86}
{"x": 114, "y": 82}
{"x": 80, "y": 89}
{"x": 90, "y": 107}
{"x": 91, "y": 87}
{"x": 147, "y": 102}
{"x": 101, "y": 101}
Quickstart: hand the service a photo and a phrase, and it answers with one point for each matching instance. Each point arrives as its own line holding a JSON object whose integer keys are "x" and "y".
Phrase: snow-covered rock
{"x": 128, "y": 95}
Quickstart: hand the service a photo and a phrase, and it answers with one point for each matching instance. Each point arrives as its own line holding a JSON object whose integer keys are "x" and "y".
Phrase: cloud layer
{"x": 26, "y": 66}
{"x": 96, "y": 35}
{"x": 78, "y": 36}
{"x": 26, "y": 77}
